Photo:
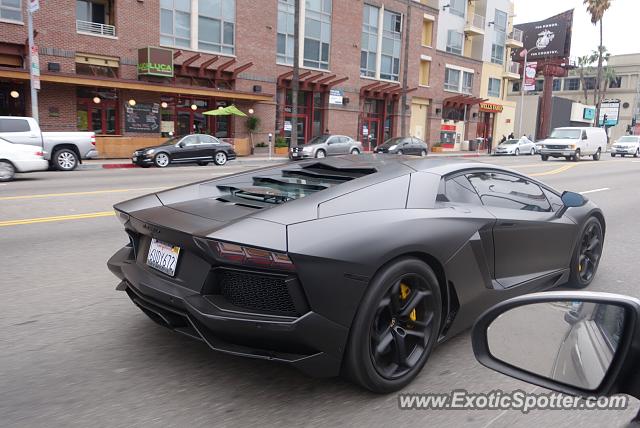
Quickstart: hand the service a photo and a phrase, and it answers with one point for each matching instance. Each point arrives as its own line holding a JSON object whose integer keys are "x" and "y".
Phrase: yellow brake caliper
{"x": 404, "y": 294}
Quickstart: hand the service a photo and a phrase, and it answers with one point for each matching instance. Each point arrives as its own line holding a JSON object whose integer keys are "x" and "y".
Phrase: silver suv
{"x": 326, "y": 145}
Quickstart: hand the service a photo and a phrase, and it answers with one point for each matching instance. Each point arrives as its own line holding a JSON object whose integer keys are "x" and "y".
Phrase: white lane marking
{"x": 602, "y": 189}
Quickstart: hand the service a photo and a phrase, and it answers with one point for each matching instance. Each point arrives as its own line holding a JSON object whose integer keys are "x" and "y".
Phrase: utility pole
{"x": 405, "y": 73}
{"x": 295, "y": 79}
{"x": 524, "y": 72}
{"x": 34, "y": 61}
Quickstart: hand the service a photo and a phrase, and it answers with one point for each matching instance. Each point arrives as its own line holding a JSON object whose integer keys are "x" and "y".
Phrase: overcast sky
{"x": 620, "y": 27}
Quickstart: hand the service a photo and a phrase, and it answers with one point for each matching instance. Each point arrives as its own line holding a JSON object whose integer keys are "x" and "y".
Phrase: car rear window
{"x": 14, "y": 125}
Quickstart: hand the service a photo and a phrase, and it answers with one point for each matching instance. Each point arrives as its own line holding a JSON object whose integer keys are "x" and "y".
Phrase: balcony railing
{"x": 516, "y": 35}
{"x": 475, "y": 20}
{"x": 513, "y": 67}
{"x": 95, "y": 28}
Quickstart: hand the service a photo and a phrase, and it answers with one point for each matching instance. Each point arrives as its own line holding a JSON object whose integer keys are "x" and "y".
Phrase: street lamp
{"x": 194, "y": 107}
{"x": 164, "y": 104}
{"x": 132, "y": 102}
{"x": 96, "y": 100}
{"x": 250, "y": 111}
{"x": 14, "y": 94}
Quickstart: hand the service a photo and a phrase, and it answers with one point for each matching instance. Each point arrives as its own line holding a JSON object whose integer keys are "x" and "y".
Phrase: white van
{"x": 573, "y": 143}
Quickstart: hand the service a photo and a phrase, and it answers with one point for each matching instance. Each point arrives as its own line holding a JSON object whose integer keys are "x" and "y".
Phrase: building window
{"x": 615, "y": 83}
{"x": 175, "y": 23}
{"x": 317, "y": 33}
{"x": 95, "y": 17}
{"x": 427, "y": 32}
{"x": 216, "y": 25}
{"x": 11, "y": 10}
{"x": 451, "y": 79}
{"x": 572, "y": 84}
{"x": 425, "y": 69}
{"x": 539, "y": 85}
{"x": 467, "y": 82}
{"x": 494, "y": 87}
{"x": 589, "y": 83}
{"x": 557, "y": 84}
{"x": 391, "y": 43}
{"x": 454, "y": 42}
{"x": 457, "y": 7}
{"x": 286, "y": 10}
{"x": 516, "y": 87}
{"x": 369, "y": 41}
{"x": 500, "y": 36}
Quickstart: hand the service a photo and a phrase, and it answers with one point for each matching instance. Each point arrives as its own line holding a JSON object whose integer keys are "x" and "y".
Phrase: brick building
{"x": 240, "y": 52}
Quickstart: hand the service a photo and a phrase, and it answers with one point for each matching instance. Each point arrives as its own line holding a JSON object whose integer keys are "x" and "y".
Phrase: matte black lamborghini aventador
{"x": 357, "y": 265}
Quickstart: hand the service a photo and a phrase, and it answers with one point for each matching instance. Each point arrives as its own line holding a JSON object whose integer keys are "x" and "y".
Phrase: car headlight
{"x": 149, "y": 152}
{"x": 395, "y": 146}
{"x": 572, "y": 146}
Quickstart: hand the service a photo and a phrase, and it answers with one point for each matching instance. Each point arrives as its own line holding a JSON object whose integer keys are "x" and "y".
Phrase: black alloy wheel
{"x": 396, "y": 327}
{"x": 587, "y": 254}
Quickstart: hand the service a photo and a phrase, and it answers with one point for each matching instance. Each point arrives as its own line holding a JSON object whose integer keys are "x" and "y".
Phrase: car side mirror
{"x": 529, "y": 338}
{"x": 181, "y": 144}
{"x": 570, "y": 200}
{"x": 584, "y": 137}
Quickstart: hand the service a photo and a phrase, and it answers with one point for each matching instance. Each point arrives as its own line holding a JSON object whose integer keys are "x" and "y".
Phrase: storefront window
{"x": 317, "y": 33}
{"x": 286, "y": 11}
{"x": 175, "y": 23}
{"x": 12, "y": 98}
{"x": 97, "y": 111}
{"x": 96, "y": 70}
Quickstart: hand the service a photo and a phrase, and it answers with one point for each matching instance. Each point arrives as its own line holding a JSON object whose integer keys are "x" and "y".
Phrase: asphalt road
{"x": 77, "y": 353}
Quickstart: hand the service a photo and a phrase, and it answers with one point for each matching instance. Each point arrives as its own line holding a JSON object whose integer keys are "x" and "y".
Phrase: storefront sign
{"x": 491, "y": 107}
{"x": 447, "y": 127}
{"x": 155, "y": 62}
{"x": 144, "y": 118}
{"x": 287, "y": 126}
{"x": 335, "y": 96}
{"x": 588, "y": 113}
{"x": 530, "y": 76}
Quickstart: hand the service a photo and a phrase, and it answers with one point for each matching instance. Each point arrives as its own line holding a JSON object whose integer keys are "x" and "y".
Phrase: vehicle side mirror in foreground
{"x": 571, "y": 200}
{"x": 578, "y": 343}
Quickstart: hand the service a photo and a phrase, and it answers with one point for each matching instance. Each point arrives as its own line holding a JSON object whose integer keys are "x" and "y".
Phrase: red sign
{"x": 530, "y": 76}
{"x": 448, "y": 128}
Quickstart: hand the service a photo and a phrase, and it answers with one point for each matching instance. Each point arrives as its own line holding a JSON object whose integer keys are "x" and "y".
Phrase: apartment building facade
{"x": 136, "y": 72}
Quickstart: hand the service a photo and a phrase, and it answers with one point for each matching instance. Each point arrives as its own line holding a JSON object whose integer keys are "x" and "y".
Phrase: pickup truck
{"x": 63, "y": 150}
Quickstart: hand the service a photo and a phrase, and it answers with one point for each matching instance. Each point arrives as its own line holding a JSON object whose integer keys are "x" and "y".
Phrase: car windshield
{"x": 319, "y": 139}
{"x": 628, "y": 139}
{"x": 510, "y": 142}
{"x": 171, "y": 141}
{"x": 565, "y": 133}
{"x": 393, "y": 141}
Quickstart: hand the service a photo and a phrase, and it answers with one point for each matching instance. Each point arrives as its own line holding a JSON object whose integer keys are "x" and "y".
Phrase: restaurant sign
{"x": 154, "y": 61}
{"x": 491, "y": 107}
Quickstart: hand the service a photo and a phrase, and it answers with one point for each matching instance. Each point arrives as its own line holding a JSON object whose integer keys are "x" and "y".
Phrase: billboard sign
{"x": 550, "y": 38}
{"x": 611, "y": 108}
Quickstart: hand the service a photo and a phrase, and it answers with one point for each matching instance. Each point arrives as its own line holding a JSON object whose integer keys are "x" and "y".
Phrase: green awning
{"x": 225, "y": 111}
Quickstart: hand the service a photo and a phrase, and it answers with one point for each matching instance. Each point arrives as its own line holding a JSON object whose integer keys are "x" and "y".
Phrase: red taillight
{"x": 39, "y": 154}
{"x": 252, "y": 256}
{"x": 93, "y": 139}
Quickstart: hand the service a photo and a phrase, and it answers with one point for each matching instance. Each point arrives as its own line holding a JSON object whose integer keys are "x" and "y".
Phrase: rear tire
{"x": 7, "y": 171}
{"x": 397, "y": 321}
{"x": 355, "y": 152}
{"x": 596, "y": 155}
{"x": 613, "y": 155}
{"x": 65, "y": 160}
{"x": 532, "y": 152}
{"x": 220, "y": 158}
{"x": 544, "y": 157}
{"x": 587, "y": 254}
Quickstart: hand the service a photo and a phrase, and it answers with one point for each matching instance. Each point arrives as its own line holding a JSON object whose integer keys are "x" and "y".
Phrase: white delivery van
{"x": 573, "y": 143}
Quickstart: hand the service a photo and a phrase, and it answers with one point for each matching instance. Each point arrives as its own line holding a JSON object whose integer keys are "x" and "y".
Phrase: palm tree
{"x": 596, "y": 9}
{"x": 610, "y": 75}
{"x": 584, "y": 68}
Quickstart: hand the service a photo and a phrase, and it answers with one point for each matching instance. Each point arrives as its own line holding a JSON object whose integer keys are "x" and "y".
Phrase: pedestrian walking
{"x": 503, "y": 139}
{"x": 511, "y": 136}
{"x": 489, "y": 143}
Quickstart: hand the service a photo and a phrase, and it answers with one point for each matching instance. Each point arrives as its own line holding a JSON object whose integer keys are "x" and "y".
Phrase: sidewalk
{"x": 257, "y": 160}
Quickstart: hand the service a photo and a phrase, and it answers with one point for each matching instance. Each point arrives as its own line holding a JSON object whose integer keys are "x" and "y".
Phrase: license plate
{"x": 163, "y": 257}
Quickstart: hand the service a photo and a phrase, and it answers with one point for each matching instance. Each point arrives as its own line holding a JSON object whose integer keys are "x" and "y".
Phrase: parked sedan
{"x": 404, "y": 146}
{"x": 627, "y": 145}
{"x": 326, "y": 145}
{"x": 516, "y": 147}
{"x": 20, "y": 158}
{"x": 357, "y": 265}
{"x": 194, "y": 148}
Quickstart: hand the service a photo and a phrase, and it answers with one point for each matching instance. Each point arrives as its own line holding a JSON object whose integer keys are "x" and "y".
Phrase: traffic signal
{"x": 633, "y": 121}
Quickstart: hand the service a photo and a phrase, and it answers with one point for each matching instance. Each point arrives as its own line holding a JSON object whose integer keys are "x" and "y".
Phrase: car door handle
{"x": 506, "y": 224}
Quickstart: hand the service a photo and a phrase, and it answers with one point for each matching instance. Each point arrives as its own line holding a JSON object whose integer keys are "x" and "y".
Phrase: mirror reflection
{"x": 572, "y": 342}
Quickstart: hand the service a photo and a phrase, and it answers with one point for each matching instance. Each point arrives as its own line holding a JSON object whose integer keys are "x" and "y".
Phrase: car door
{"x": 17, "y": 130}
{"x": 530, "y": 240}
{"x": 334, "y": 145}
{"x": 208, "y": 146}
{"x": 187, "y": 149}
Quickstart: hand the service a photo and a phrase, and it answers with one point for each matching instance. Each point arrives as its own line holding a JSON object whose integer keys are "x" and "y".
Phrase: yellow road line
{"x": 93, "y": 192}
{"x": 55, "y": 218}
{"x": 554, "y": 171}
